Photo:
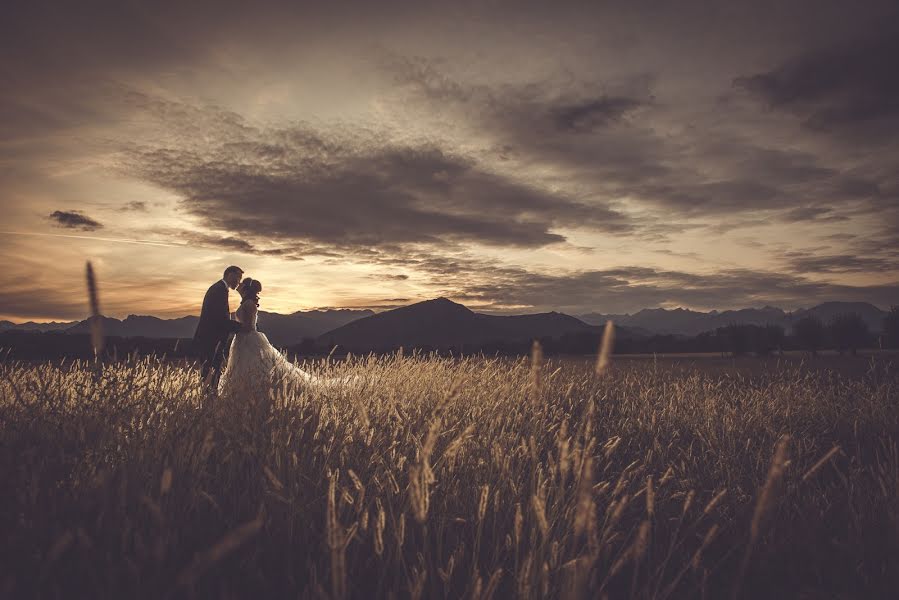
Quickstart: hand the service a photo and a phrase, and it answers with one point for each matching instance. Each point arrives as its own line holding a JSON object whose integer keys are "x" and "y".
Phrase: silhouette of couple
{"x": 249, "y": 363}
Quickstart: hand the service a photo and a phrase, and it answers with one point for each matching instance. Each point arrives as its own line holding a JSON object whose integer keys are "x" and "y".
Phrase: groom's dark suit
{"x": 211, "y": 337}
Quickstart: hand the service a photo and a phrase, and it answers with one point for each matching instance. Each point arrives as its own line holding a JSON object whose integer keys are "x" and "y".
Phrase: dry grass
{"x": 446, "y": 478}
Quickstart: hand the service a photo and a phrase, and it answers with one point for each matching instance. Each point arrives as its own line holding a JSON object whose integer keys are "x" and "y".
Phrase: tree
{"x": 767, "y": 339}
{"x": 810, "y": 333}
{"x": 891, "y": 327}
{"x": 737, "y": 338}
{"x": 849, "y": 332}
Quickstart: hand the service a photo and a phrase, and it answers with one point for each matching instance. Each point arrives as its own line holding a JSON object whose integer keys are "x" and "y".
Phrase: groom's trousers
{"x": 212, "y": 354}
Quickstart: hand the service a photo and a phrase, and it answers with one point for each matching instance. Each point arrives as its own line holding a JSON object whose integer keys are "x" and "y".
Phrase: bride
{"x": 254, "y": 365}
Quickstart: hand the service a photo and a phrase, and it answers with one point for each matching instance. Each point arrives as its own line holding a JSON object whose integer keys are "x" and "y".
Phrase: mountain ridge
{"x": 442, "y": 323}
{"x": 681, "y": 321}
{"x": 285, "y": 329}
{"x": 281, "y": 329}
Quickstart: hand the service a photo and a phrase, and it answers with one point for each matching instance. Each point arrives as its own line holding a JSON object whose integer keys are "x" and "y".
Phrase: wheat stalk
{"x": 96, "y": 321}
{"x": 820, "y": 464}
{"x": 536, "y": 364}
{"x": 230, "y": 542}
{"x": 605, "y": 348}
{"x": 765, "y": 505}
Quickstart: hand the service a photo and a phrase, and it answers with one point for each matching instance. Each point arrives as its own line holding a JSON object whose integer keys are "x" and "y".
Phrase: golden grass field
{"x": 451, "y": 478}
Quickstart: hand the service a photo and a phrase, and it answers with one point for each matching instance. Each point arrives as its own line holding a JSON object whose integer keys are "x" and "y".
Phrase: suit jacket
{"x": 215, "y": 319}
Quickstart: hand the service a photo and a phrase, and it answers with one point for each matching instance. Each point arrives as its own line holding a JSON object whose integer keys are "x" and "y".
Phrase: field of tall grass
{"x": 450, "y": 478}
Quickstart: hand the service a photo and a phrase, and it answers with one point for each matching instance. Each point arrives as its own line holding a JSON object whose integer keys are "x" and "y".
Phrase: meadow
{"x": 451, "y": 478}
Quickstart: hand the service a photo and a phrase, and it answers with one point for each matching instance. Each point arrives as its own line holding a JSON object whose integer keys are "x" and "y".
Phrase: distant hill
{"x": 32, "y": 326}
{"x": 442, "y": 323}
{"x": 142, "y": 326}
{"x": 280, "y": 329}
{"x": 289, "y": 329}
{"x": 688, "y": 322}
{"x": 872, "y": 315}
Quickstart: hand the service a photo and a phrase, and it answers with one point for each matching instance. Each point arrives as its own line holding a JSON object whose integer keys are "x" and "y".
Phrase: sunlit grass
{"x": 449, "y": 478}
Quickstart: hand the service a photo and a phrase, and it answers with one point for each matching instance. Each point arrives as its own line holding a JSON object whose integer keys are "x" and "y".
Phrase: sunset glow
{"x": 514, "y": 157}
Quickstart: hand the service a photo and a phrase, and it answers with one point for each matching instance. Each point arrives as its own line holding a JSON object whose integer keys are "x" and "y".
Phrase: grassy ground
{"x": 851, "y": 366}
{"x": 448, "y": 478}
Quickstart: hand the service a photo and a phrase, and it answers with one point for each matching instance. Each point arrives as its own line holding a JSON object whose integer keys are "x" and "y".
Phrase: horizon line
{"x": 325, "y": 309}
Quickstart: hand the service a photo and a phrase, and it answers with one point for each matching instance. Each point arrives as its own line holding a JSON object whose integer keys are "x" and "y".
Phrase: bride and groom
{"x": 250, "y": 363}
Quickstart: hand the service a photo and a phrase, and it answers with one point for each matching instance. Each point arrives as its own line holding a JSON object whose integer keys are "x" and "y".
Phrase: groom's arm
{"x": 233, "y": 326}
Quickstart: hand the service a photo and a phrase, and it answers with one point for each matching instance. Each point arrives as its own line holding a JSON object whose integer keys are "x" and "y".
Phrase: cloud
{"x": 585, "y": 125}
{"x": 74, "y": 220}
{"x": 378, "y": 305}
{"x": 349, "y": 190}
{"x": 531, "y": 132}
{"x": 807, "y": 262}
{"x": 614, "y": 144}
{"x": 231, "y": 243}
{"x": 837, "y": 88}
{"x": 812, "y": 213}
{"x": 514, "y": 289}
{"x": 590, "y": 115}
{"x": 627, "y": 289}
{"x": 135, "y": 206}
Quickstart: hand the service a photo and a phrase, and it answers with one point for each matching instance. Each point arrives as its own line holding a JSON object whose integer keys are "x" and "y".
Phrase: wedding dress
{"x": 255, "y": 368}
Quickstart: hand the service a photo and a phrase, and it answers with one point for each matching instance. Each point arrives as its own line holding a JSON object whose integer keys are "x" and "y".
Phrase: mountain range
{"x": 681, "y": 321}
{"x": 280, "y": 329}
{"x": 33, "y": 326}
{"x": 441, "y": 322}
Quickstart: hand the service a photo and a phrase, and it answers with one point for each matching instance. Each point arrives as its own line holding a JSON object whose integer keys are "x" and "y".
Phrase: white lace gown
{"x": 255, "y": 367}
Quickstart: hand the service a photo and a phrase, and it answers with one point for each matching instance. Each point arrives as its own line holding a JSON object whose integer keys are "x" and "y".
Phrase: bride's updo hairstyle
{"x": 249, "y": 289}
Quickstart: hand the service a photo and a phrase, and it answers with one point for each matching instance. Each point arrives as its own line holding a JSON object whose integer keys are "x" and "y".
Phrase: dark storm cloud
{"x": 74, "y": 220}
{"x": 351, "y": 191}
{"x": 609, "y": 143}
{"x": 580, "y": 125}
{"x": 838, "y": 88}
{"x": 590, "y": 115}
{"x": 845, "y": 91}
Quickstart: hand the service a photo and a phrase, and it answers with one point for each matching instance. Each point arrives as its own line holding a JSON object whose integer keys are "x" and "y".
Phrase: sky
{"x": 512, "y": 156}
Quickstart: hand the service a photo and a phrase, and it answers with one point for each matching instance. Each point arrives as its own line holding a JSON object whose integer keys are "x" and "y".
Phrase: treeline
{"x": 55, "y": 345}
{"x": 846, "y": 333}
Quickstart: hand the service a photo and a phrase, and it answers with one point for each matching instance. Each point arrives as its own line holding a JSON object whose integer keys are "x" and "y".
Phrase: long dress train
{"x": 256, "y": 369}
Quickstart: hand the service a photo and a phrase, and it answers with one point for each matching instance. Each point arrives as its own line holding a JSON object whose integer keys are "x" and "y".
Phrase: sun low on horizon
{"x": 512, "y": 157}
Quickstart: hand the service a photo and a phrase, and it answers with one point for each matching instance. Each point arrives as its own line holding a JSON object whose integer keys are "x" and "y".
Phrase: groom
{"x": 211, "y": 337}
